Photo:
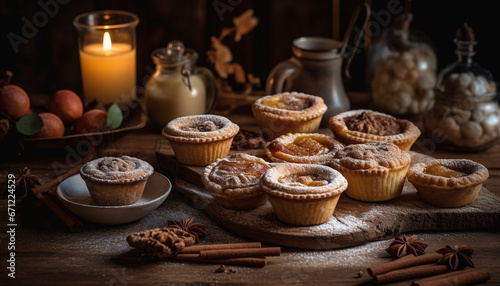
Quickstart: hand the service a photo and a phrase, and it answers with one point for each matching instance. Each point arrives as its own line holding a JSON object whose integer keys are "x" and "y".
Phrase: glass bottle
{"x": 178, "y": 87}
{"x": 466, "y": 115}
{"x": 403, "y": 71}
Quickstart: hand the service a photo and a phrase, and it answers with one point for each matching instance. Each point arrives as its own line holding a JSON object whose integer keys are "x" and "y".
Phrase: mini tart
{"x": 234, "y": 181}
{"x": 303, "y": 194}
{"x": 375, "y": 171}
{"x": 200, "y": 139}
{"x": 367, "y": 126}
{"x": 288, "y": 112}
{"x": 304, "y": 148}
{"x": 115, "y": 181}
{"x": 448, "y": 182}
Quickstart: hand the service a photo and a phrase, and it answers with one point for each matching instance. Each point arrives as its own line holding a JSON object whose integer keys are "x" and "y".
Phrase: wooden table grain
{"x": 46, "y": 253}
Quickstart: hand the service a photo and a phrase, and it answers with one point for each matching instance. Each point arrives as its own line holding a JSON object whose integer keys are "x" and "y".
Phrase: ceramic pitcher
{"x": 316, "y": 68}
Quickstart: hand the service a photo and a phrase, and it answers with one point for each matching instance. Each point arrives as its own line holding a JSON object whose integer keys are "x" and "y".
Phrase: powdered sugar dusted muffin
{"x": 303, "y": 194}
{"x": 114, "y": 181}
{"x": 288, "y": 112}
{"x": 304, "y": 148}
{"x": 200, "y": 139}
{"x": 448, "y": 182}
{"x": 234, "y": 181}
{"x": 375, "y": 171}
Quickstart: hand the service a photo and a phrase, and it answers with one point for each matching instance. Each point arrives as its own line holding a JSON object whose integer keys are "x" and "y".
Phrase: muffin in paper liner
{"x": 375, "y": 171}
{"x": 367, "y": 126}
{"x": 448, "y": 182}
{"x": 234, "y": 181}
{"x": 288, "y": 112}
{"x": 303, "y": 194}
{"x": 200, "y": 139}
{"x": 116, "y": 181}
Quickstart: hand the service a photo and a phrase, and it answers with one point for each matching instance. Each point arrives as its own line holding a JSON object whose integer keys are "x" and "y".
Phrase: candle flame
{"x": 106, "y": 42}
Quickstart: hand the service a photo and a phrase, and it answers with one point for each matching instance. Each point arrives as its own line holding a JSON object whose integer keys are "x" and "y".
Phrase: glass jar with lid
{"x": 466, "y": 115}
{"x": 403, "y": 70}
{"x": 178, "y": 87}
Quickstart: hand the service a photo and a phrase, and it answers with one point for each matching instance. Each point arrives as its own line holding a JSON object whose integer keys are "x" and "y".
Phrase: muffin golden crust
{"x": 303, "y": 194}
{"x": 448, "y": 182}
{"x": 116, "y": 180}
{"x": 367, "y": 126}
{"x": 200, "y": 139}
{"x": 375, "y": 171}
{"x": 234, "y": 181}
{"x": 288, "y": 112}
{"x": 305, "y": 148}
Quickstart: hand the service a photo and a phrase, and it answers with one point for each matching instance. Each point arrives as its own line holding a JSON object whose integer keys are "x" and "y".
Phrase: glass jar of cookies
{"x": 466, "y": 114}
{"x": 403, "y": 71}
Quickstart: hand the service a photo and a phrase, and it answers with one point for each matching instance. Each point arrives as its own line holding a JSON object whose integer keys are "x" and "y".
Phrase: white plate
{"x": 74, "y": 194}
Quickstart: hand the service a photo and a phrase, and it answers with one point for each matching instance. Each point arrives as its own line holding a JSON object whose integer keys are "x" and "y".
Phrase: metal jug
{"x": 316, "y": 68}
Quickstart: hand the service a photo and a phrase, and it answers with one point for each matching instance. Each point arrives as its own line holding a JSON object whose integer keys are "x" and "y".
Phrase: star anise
{"x": 195, "y": 228}
{"x": 403, "y": 245}
{"x": 25, "y": 180}
{"x": 457, "y": 258}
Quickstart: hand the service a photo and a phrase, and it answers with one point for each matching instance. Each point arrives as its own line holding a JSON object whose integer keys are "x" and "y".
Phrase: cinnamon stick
{"x": 242, "y": 252}
{"x": 404, "y": 262}
{"x": 51, "y": 185}
{"x": 45, "y": 195}
{"x": 246, "y": 261}
{"x": 201, "y": 247}
{"x": 411, "y": 272}
{"x": 468, "y": 276}
{"x": 68, "y": 218}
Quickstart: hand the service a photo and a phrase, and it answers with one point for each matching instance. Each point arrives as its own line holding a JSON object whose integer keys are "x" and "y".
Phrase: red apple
{"x": 67, "y": 105}
{"x": 91, "y": 121}
{"x": 53, "y": 127}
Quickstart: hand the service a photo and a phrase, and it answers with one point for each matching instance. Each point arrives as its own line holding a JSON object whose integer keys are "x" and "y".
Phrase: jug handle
{"x": 276, "y": 79}
{"x": 211, "y": 86}
{"x": 347, "y": 37}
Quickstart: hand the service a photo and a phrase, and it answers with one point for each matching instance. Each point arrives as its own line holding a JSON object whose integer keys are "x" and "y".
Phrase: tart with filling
{"x": 375, "y": 171}
{"x": 200, "y": 139}
{"x": 448, "y": 182}
{"x": 303, "y": 194}
{"x": 234, "y": 181}
{"x": 288, "y": 112}
{"x": 305, "y": 148}
{"x": 115, "y": 181}
{"x": 367, "y": 126}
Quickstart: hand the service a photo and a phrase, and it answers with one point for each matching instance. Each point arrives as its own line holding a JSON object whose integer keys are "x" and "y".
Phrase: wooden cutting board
{"x": 353, "y": 222}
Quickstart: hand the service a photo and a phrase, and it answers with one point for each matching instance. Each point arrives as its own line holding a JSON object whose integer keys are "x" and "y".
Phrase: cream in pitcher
{"x": 178, "y": 87}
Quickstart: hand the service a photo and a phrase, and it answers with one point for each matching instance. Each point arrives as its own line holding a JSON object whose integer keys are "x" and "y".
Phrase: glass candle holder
{"x": 107, "y": 48}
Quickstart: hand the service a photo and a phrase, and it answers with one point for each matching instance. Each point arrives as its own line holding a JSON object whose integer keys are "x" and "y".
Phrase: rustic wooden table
{"x": 47, "y": 253}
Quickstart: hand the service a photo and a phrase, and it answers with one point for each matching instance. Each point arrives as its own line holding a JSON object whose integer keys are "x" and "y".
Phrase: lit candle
{"x": 107, "y": 56}
{"x": 108, "y": 71}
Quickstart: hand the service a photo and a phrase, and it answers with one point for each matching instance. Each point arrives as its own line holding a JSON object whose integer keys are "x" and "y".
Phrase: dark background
{"x": 48, "y": 61}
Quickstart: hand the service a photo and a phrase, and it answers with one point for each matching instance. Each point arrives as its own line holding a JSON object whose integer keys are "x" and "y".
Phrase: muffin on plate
{"x": 303, "y": 194}
{"x": 448, "y": 182}
{"x": 234, "y": 181}
{"x": 288, "y": 112}
{"x": 116, "y": 181}
{"x": 304, "y": 148}
{"x": 200, "y": 139}
{"x": 375, "y": 171}
{"x": 367, "y": 126}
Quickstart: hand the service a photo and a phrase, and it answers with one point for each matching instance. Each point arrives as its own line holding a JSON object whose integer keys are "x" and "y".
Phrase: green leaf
{"x": 115, "y": 117}
{"x": 29, "y": 124}
{"x": 100, "y": 107}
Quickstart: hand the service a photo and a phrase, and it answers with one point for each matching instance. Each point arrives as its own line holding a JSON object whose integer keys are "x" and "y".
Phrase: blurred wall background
{"x": 44, "y": 55}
